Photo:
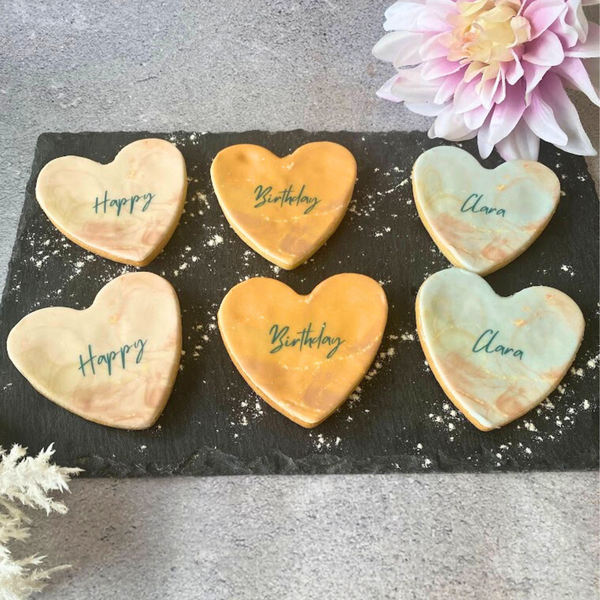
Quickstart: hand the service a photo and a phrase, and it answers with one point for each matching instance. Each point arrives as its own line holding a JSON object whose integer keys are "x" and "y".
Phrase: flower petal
{"x": 501, "y": 93}
{"x": 385, "y": 91}
{"x": 575, "y": 18}
{"x": 573, "y": 71}
{"x": 553, "y": 93}
{"x": 399, "y": 6}
{"x": 488, "y": 91}
{"x": 521, "y": 144}
{"x": 566, "y": 34}
{"x": 541, "y": 120}
{"x": 466, "y": 96}
{"x": 485, "y": 148}
{"x": 507, "y": 114}
{"x": 533, "y": 75}
{"x": 411, "y": 87}
{"x": 435, "y": 47}
{"x": 402, "y": 16}
{"x": 412, "y": 16}
{"x": 448, "y": 88}
{"x": 475, "y": 118}
{"x": 399, "y": 47}
{"x": 546, "y": 50}
{"x": 450, "y": 126}
{"x": 590, "y": 48}
{"x": 513, "y": 70}
{"x": 427, "y": 109}
{"x": 542, "y": 13}
{"x": 468, "y": 136}
{"x": 471, "y": 8}
{"x": 439, "y": 67}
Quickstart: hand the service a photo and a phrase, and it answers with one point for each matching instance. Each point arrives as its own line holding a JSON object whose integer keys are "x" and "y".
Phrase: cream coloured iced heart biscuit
{"x": 304, "y": 354}
{"x": 126, "y": 210}
{"x": 496, "y": 358}
{"x": 284, "y": 208}
{"x": 482, "y": 219}
{"x": 115, "y": 362}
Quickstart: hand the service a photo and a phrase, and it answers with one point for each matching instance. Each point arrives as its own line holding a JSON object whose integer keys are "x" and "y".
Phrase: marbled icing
{"x": 285, "y": 233}
{"x": 520, "y": 196}
{"x": 71, "y": 190}
{"x": 49, "y": 346}
{"x": 539, "y": 332}
{"x": 305, "y": 382}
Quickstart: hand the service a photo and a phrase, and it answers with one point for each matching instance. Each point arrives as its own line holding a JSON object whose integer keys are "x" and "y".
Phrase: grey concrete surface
{"x": 271, "y": 64}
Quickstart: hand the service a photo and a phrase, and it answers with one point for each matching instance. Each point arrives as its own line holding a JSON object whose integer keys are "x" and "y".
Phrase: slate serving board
{"x": 399, "y": 421}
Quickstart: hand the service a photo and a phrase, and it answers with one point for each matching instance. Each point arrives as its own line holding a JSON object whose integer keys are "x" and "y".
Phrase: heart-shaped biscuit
{"x": 284, "y": 208}
{"x": 482, "y": 219}
{"x": 126, "y": 210}
{"x": 115, "y": 362}
{"x": 304, "y": 354}
{"x": 496, "y": 358}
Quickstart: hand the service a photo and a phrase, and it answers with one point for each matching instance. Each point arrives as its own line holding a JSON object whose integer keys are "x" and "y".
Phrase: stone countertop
{"x": 269, "y": 64}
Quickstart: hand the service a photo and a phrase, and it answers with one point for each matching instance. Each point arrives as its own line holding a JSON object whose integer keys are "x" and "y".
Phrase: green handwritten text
{"x": 128, "y": 204}
{"x": 486, "y": 342}
{"x": 280, "y": 339}
{"x": 264, "y": 195}
{"x": 111, "y": 358}
{"x": 472, "y": 204}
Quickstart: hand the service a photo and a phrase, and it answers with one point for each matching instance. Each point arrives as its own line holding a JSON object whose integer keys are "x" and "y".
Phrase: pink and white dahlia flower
{"x": 495, "y": 69}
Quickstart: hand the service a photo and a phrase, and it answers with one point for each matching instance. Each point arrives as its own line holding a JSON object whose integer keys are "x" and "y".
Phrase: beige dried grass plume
{"x": 27, "y": 481}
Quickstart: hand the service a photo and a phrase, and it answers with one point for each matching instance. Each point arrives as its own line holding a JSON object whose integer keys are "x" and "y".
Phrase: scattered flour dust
{"x": 198, "y": 202}
{"x": 203, "y": 333}
{"x": 215, "y": 240}
{"x": 368, "y": 204}
{"x": 248, "y": 409}
{"x": 559, "y": 412}
{"x": 386, "y": 353}
{"x": 568, "y": 269}
{"x": 425, "y": 461}
{"x": 449, "y": 420}
{"x": 62, "y": 260}
{"x": 321, "y": 442}
{"x": 182, "y": 139}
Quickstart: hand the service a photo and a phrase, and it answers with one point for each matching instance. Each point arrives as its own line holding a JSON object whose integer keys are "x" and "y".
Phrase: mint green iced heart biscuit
{"x": 496, "y": 358}
{"x": 482, "y": 219}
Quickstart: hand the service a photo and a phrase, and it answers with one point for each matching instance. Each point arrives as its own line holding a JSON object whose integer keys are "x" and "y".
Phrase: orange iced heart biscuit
{"x": 304, "y": 354}
{"x": 126, "y": 210}
{"x": 113, "y": 363}
{"x": 284, "y": 208}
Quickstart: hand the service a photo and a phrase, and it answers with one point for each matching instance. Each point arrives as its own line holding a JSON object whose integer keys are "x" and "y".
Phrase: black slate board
{"x": 213, "y": 424}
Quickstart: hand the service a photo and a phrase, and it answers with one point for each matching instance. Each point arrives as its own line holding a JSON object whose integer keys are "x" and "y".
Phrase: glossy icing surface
{"x": 304, "y": 354}
{"x": 284, "y": 208}
{"x": 113, "y": 363}
{"x": 482, "y": 219}
{"x": 126, "y": 210}
{"x": 495, "y": 357}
